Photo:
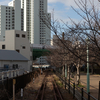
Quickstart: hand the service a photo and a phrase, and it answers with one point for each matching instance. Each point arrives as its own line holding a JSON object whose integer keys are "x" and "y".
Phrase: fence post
{"x": 88, "y": 95}
{"x": 65, "y": 82}
{"x": 7, "y": 83}
{"x": 73, "y": 90}
{"x": 2, "y": 75}
{"x": 82, "y": 94}
{"x": 65, "y": 74}
{"x": 69, "y": 86}
{"x": 69, "y": 81}
{"x": 14, "y": 82}
{"x": 99, "y": 92}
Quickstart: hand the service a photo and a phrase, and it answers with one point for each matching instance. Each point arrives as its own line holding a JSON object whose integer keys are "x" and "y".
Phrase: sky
{"x": 61, "y": 9}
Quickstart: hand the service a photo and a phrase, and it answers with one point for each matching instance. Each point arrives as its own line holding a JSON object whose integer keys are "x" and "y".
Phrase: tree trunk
{"x": 92, "y": 72}
{"x": 63, "y": 70}
{"x": 78, "y": 78}
{"x": 68, "y": 74}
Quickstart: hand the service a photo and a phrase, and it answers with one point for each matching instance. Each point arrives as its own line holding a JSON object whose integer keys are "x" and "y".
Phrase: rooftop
{"x": 11, "y": 55}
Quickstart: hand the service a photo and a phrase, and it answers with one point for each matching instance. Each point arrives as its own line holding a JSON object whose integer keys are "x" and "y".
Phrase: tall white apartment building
{"x": 11, "y": 18}
{"x": 37, "y": 31}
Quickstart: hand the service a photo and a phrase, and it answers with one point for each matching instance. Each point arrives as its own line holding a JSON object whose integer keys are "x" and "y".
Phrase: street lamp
{"x": 88, "y": 83}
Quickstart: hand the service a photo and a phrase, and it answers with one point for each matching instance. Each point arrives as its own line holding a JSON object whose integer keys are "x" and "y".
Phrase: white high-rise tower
{"x": 38, "y": 33}
{"x": 11, "y": 18}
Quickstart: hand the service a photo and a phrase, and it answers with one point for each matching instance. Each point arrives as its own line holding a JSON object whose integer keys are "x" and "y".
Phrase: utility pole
{"x": 88, "y": 80}
{"x": 78, "y": 65}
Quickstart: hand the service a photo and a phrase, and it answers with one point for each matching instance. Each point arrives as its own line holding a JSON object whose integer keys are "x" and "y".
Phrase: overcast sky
{"x": 62, "y": 8}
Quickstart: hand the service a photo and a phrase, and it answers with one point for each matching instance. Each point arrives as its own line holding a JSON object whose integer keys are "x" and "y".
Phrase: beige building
{"x": 18, "y": 41}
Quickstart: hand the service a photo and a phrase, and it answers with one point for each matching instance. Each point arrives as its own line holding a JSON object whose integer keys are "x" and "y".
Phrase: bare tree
{"x": 77, "y": 33}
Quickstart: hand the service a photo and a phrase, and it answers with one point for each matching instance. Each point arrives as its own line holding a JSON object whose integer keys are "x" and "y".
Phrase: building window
{"x": 3, "y": 46}
{"x": 23, "y": 35}
{"x": 17, "y": 35}
{"x": 30, "y": 57}
{"x": 23, "y": 47}
{"x": 17, "y": 50}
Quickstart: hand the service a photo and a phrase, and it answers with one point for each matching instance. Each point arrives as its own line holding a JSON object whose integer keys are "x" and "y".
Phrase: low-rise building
{"x": 12, "y": 64}
{"x": 10, "y": 59}
{"x": 18, "y": 41}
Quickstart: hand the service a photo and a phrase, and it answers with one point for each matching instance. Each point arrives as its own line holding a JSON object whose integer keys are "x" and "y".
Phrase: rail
{"x": 41, "y": 92}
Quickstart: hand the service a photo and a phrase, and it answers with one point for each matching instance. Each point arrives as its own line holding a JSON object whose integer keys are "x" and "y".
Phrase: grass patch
{"x": 56, "y": 79}
{"x": 70, "y": 79}
{"x": 60, "y": 84}
{"x": 80, "y": 85}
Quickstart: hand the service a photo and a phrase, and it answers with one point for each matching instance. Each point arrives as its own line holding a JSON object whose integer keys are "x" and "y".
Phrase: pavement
{"x": 94, "y": 83}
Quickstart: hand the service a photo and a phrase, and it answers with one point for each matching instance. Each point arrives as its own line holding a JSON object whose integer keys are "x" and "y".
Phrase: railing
{"x": 11, "y": 73}
{"x": 6, "y": 69}
{"x": 77, "y": 92}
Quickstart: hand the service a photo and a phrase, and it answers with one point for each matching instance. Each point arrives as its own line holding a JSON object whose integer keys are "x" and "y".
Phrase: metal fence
{"x": 6, "y": 86}
{"x": 77, "y": 92}
{"x": 11, "y": 74}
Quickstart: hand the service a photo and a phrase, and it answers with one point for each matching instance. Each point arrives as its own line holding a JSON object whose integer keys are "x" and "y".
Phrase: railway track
{"x": 49, "y": 89}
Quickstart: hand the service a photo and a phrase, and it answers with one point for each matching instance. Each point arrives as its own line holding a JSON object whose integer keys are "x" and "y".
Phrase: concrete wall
{"x": 45, "y": 6}
{"x": 36, "y": 26}
{"x": 1, "y": 43}
{"x": 20, "y": 42}
{"x": 25, "y": 15}
{"x": 32, "y": 21}
{"x": 21, "y": 64}
{"x": 10, "y": 40}
{"x": 3, "y": 22}
{"x": 48, "y": 31}
{"x": 17, "y": 15}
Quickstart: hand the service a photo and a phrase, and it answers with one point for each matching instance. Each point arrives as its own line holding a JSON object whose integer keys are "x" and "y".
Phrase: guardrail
{"x": 77, "y": 92}
{"x": 11, "y": 73}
